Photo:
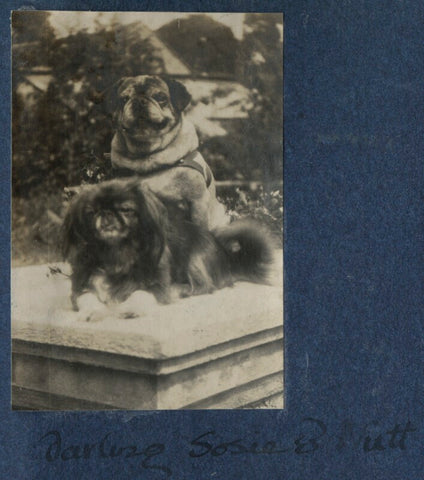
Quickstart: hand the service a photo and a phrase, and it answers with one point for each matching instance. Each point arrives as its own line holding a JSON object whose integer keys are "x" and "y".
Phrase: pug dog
{"x": 155, "y": 141}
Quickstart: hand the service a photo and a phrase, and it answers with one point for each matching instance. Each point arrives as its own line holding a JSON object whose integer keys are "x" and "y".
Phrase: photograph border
{"x": 353, "y": 177}
{"x": 219, "y": 351}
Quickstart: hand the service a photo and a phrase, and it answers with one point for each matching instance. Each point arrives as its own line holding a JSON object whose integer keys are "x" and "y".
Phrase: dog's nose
{"x": 139, "y": 106}
{"x": 144, "y": 108}
{"x": 108, "y": 219}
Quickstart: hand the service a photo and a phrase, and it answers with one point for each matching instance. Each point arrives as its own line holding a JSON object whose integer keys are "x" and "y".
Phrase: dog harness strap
{"x": 187, "y": 161}
{"x": 190, "y": 162}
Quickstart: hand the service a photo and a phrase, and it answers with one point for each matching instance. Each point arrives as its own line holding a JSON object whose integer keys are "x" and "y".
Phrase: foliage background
{"x": 60, "y": 135}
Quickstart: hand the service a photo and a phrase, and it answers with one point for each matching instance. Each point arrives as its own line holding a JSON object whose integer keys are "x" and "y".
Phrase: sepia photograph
{"x": 147, "y": 211}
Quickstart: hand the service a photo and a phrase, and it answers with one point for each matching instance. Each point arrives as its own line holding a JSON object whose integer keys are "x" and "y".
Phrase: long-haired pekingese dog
{"x": 119, "y": 239}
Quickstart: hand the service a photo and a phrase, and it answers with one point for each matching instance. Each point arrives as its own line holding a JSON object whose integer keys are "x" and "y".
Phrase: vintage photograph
{"x": 147, "y": 211}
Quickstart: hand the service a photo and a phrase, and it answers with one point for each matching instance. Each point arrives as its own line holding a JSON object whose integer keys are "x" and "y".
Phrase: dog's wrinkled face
{"x": 112, "y": 216}
{"x": 148, "y": 106}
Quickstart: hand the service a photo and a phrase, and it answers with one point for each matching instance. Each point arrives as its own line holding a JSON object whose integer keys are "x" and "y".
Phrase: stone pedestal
{"x": 223, "y": 350}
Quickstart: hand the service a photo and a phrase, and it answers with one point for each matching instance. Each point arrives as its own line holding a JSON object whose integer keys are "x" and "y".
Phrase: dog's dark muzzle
{"x": 144, "y": 109}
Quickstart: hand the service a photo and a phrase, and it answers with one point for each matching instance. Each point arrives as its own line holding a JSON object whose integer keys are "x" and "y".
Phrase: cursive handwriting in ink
{"x": 234, "y": 447}
{"x": 106, "y": 449}
{"x": 304, "y": 443}
{"x": 393, "y": 439}
{"x": 310, "y": 442}
{"x": 313, "y": 436}
{"x": 373, "y": 437}
{"x": 310, "y": 435}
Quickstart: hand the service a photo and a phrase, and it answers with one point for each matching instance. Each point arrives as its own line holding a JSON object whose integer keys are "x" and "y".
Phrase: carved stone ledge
{"x": 223, "y": 350}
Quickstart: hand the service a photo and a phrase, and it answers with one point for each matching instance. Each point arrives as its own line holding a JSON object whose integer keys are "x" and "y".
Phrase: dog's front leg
{"x": 91, "y": 309}
{"x": 199, "y": 210}
{"x": 91, "y": 305}
{"x": 162, "y": 289}
{"x": 99, "y": 283}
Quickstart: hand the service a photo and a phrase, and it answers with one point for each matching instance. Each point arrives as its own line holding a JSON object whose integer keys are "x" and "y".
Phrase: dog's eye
{"x": 160, "y": 97}
{"x": 125, "y": 99}
{"x": 126, "y": 211}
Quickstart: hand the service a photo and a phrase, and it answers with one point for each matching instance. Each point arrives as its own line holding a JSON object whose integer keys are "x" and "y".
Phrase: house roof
{"x": 127, "y": 33}
{"x": 173, "y": 64}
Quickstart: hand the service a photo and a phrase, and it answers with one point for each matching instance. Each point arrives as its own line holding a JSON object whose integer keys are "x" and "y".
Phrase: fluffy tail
{"x": 250, "y": 249}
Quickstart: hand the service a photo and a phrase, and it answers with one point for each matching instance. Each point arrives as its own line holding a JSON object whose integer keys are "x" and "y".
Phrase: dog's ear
{"x": 180, "y": 97}
{"x": 112, "y": 93}
{"x": 75, "y": 227}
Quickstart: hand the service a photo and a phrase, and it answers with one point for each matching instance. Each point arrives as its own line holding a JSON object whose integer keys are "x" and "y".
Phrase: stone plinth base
{"x": 222, "y": 350}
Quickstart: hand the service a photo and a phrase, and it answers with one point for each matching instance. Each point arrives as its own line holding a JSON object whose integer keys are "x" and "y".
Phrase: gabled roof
{"x": 173, "y": 64}
{"x": 125, "y": 35}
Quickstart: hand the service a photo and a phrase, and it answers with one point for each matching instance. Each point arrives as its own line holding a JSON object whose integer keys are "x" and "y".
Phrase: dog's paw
{"x": 183, "y": 290}
{"x": 93, "y": 316}
{"x": 137, "y": 305}
{"x": 87, "y": 302}
{"x": 90, "y": 309}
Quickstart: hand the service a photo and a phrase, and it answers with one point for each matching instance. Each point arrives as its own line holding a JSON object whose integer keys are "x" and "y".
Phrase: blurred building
{"x": 217, "y": 97}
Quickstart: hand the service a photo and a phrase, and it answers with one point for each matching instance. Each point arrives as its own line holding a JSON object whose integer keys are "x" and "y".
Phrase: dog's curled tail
{"x": 250, "y": 248}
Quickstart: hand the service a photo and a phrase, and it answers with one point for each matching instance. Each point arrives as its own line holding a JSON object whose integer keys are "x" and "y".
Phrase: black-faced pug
{"x": 153, "y": 140}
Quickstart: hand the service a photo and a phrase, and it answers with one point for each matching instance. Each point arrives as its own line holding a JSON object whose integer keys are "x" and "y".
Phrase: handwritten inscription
{"x": 312, "y": 435}
{"x": 304, "y": 443}
{"x": 106, "y": 448}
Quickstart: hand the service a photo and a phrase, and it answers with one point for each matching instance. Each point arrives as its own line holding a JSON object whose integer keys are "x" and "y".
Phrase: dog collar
{"x": 188, "y": 161}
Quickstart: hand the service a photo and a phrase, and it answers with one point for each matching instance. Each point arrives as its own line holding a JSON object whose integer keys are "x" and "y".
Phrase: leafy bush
{"x": 265, "y": 206}
{"x": 36, "y": 226}
{"x": 62, "y": 137}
